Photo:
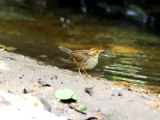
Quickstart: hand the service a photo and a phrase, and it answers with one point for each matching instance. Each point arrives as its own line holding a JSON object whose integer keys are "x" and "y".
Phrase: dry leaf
{"x": 155, "y": 104}
{"x": 36, "y": 85}
{"x": 124, "y": 84}
{"x": 100, "y": 116}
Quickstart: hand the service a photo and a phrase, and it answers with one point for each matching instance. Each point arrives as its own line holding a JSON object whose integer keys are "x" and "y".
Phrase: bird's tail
{"x": 67, "y": 50}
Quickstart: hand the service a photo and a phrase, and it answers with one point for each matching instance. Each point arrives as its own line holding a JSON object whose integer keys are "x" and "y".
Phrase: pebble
{"x": 120, "y": 94}
{"x": 89, "y": 90}
{"x": 112, "y": 94}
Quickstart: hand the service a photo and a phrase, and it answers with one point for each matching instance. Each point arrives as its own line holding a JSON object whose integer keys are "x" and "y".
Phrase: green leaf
{"x": 82, "y": 107}
{"x": 74, "y": 97}
{"x": 65, "y": 94}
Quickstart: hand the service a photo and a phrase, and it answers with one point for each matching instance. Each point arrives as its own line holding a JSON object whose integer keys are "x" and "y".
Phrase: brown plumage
{"x": 85, "y": 59}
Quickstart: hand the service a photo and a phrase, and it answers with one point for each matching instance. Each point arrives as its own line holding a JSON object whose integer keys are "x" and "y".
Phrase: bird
{"x": 84, "y": 59}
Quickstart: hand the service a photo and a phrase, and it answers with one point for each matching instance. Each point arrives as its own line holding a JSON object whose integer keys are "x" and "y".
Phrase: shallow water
{"x": 131, "y": 54}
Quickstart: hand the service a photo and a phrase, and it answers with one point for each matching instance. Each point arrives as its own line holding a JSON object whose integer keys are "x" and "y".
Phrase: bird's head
{"x": 95, "y": 51}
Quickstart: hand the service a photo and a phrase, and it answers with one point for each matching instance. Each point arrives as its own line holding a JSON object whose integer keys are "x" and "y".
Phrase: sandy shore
{"x": 19, "y": 74}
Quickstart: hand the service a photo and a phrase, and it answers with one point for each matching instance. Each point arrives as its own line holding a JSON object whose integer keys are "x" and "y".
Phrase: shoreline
{"x": 114, "y": 102}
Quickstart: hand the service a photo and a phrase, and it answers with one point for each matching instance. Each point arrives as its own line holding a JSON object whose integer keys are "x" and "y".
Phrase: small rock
{"x": 112, "y": 94}
{"x": 54, "y": 77}
{"x": 47, "y": 106}
{"x": 89, "y": 90}
{"x": 129, "y": 89}
{"x": 27, "y": 90}
{"x": 119, "y": 94}
{"x": 43, "y": 84}
{"x": 92, "y": 118}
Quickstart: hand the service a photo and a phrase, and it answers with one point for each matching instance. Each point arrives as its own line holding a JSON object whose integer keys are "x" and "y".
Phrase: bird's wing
{"x": 80, "y": 55}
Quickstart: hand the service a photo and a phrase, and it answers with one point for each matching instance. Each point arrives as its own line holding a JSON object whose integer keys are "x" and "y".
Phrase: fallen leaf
{"x": 78, "y": 107}
{"x": 36, "y": 85}
{"x": 82, "y": 107}
{"x": 124, "y": 84}
{"x": 155, "y": 104}
{"x": 65, "y": 94}
{"x": 100, "y": 116}
{"x": 74, "y": 97}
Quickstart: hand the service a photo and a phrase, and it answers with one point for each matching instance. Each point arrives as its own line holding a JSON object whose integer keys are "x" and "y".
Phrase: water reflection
{"x": 137, "y": 68}
{"x": 130, "y": 54}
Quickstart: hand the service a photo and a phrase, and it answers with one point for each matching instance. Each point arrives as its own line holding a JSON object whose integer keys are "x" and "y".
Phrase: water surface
{"x": 131, "y": 54}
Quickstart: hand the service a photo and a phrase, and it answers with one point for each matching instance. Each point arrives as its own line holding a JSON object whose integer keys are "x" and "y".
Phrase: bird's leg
{"x": 87, "y": 75}
{"x": 85, "y": 72}
{"x": 79, "y": 70}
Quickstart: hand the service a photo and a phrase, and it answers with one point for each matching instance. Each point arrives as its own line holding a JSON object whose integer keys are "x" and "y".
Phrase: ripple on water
{"x": 135, "y": 68}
